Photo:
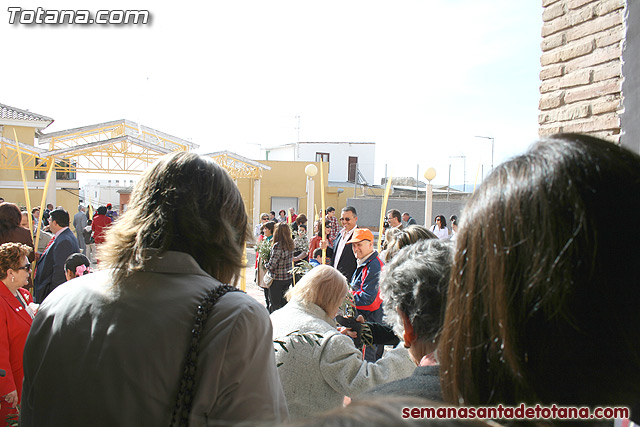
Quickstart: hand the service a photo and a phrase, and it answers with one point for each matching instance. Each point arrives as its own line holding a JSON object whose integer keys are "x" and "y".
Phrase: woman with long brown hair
{"x": 279, "y": 265}
{"x": 543, "y": 299}
{"x": 113, "y": 347}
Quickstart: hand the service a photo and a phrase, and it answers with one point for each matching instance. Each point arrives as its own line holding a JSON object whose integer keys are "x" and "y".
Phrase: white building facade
{"x": 100, "y": 192}
{"x": 348, "y": 161}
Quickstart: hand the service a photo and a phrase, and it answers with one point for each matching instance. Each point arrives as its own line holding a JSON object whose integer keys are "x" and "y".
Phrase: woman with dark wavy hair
{"x": 543, "y": 299}
{"x": 11, "y": 231}
{"x": 440, "y": 227}
{"x": 109, "y": 348}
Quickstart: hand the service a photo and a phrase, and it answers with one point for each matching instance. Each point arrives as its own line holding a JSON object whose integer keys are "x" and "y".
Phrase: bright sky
{"x": 418, "y": 78}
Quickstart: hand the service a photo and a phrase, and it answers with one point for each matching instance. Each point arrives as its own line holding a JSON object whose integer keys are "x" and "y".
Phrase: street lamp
{"x": 492, "y": 141}
{"x": 310, "y": 170}
{"x": 429, "y": 175}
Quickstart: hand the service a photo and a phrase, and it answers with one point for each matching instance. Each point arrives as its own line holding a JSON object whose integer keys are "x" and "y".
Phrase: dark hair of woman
{"x": 443, "y": 221}
{"x": 10, "y": 217}
{"x": 184, "y": 203}
{"x": 301, "y": 219}
{"x": 318, "y": 223}
{"x": 76, "y": 260}
{"x": 282, "y": 235}
{"x": 271, "y": 225}
{"x": 543, "y": 298}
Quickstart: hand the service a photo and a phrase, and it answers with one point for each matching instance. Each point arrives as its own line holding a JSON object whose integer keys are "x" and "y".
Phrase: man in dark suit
{"x": 50, "y": 266}
{"x": 343, "y": 258}
{"x": 46, "y": 214}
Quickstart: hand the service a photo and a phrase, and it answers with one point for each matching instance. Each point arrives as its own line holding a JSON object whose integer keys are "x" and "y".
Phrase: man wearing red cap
{"x": 364, "y": 285}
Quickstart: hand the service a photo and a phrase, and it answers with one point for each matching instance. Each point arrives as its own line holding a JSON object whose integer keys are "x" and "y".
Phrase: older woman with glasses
{"x": 264, "y": 218}
{"x": 15, "y": 321}
{"x": 414, "y": 289}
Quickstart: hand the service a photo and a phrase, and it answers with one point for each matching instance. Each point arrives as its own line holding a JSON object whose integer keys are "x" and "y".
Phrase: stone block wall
{"x": 581, "y": 76}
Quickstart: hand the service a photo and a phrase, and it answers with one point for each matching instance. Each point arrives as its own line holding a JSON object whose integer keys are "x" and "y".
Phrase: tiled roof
{"x": 12, "y": 113}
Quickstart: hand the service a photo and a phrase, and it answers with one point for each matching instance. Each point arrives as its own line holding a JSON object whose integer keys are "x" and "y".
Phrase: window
{"x": 65, "y": 170}
{"x": 352, "y": 169}
{"x": 322, "y": 157}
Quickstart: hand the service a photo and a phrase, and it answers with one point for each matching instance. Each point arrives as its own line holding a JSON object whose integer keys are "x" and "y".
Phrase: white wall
{"x": 339, "y": 158}
{"x": 103, "y": 191}
{"x": 281, "y": 153}
{"x": 339, "y": 153}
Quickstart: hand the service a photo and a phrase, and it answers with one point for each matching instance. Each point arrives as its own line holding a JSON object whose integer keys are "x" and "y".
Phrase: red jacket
{"x": 15, "y": 323}
{"x": 100, "y": 222}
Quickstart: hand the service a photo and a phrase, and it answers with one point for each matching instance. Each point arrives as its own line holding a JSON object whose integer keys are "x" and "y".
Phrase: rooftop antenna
{"x": 298, "y": 127}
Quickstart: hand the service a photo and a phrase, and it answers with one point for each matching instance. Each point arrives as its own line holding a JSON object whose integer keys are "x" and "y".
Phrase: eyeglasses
{"x": 345, "y": 219}
{"x": 437, "y": 219}
{"x": 265, "y": 219}
{"x": 25, "y": 268}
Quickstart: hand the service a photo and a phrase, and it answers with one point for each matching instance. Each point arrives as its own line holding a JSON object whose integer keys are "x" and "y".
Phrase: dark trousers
{"x": 373, "y": 352}
{"x": 266, "y": 299}
{"x": 276, "y": 294}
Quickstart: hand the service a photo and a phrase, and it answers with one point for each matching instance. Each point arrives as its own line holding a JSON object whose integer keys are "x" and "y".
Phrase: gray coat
{"x": 316, "y": 378}
{"x": 79, "y": 223}
{"x": 424, "y": 382}
{"x": 99, "y": 357}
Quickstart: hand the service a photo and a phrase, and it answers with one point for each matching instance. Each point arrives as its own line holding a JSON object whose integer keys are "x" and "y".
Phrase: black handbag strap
{"x": 184, "y": 399}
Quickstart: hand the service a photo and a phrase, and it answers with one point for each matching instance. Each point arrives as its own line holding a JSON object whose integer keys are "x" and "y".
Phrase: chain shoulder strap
{"x": 184, "y": 398}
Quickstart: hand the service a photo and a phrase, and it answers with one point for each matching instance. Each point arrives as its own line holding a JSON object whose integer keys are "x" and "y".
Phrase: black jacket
{"x": 348, "y": 263}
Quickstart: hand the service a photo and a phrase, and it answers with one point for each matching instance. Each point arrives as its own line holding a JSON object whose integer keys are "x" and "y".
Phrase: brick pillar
{"x": 581, "y": 76}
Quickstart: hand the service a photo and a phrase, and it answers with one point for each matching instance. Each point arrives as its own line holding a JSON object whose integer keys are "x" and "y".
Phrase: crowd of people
{"x": 531, "y": 300}
{"x": 30, "y": 275}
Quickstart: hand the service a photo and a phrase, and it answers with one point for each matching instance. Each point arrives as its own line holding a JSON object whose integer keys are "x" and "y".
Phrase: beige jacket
{"x": 316, "y": 378}
{"x": 100, "y": 358}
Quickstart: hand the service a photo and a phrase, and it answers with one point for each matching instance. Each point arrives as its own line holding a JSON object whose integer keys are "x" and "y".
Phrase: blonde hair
{"x": 323, "y": 285}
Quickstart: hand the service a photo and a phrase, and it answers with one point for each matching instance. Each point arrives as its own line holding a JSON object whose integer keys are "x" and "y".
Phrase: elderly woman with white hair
{"x": 414, "y": 291}
{"x": 316, "y": 376}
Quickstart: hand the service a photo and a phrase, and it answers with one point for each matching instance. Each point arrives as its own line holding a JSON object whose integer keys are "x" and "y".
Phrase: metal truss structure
{"x": 238, "y": 166}
{"x": 121, "y": 146}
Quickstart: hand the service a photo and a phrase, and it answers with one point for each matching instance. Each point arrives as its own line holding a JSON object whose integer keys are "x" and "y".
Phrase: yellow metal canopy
{"x": 120, "y": 146}
{"x": 238, "y": 166}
